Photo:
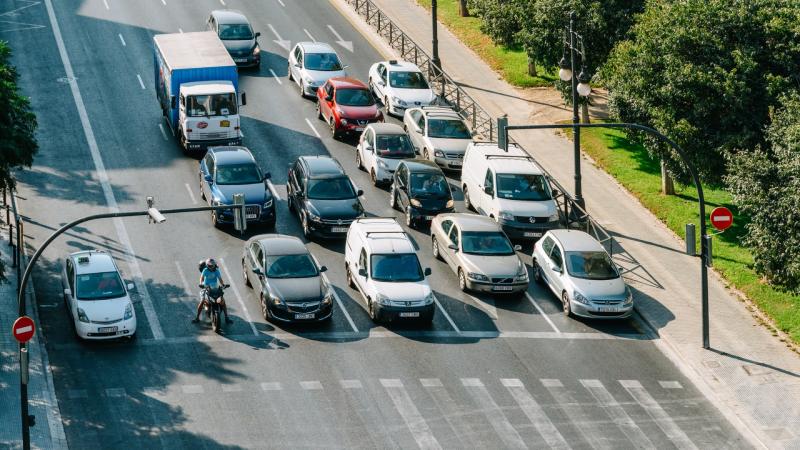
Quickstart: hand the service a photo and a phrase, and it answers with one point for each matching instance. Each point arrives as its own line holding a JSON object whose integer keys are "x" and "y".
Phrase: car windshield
{"x": 398, "y": 267}
{"x": 99, "y": 286}
{"x": 448, "y": 129}
{"x": 322, "y": 61}
{"x": 235, "y": 32}
{"x": 291, "y": 266}
{"x": 245, "y": 173}
{"x": 427, "y": 184}
{"x": 519, "y": 186}
{"x": 394, "y": 146}
{"x": 338, "y": 188}
{"x": 354, "y": 97}
{"x": 485, "y": 243}
{"x": 591, "y": 265}
{"x": 407, "y": 80}
{"x": 211, "y": 105}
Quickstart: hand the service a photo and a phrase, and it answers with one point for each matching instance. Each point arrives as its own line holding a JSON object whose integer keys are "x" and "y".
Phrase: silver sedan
{"x": 478, "y": 251}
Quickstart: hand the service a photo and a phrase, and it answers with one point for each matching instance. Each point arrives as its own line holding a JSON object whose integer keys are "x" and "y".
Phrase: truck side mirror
{"x": 244, "y": 99}
{"x": 172, "y": 102}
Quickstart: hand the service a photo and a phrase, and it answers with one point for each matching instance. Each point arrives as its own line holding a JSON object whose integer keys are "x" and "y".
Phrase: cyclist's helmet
{"x": 211, "y": 264}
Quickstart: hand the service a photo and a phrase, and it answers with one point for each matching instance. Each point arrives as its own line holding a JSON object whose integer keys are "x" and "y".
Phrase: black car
{"x": 289, "y": 284}
{"x": 226, "y": 171}
{"x": 322, "y": 196}
{"x": 420, "y": 190}
{"x": 237, "y": 35}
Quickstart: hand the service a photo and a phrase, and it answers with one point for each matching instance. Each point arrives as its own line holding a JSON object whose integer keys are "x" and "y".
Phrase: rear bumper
{"x": 204, "y": 144}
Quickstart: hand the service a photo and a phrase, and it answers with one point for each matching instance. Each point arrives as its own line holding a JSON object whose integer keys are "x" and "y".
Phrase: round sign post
{"x": 23, "y": 329}
{"x": 721, "y": 218}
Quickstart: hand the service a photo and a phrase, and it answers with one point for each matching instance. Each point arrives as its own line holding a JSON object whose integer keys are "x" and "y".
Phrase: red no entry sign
{"x": 23, "y": 329}
{"x": 721, "y": 218}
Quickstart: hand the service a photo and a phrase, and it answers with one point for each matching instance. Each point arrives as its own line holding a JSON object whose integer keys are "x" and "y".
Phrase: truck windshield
{"x": 235, "y": 32}
{"x": 211, "y": 105}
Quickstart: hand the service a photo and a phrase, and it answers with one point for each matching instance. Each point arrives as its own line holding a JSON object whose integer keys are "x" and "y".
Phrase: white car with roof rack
{"x": 509, "y": 187}
{"x": 400, "y": 85}
{"x": 97, "y": 299}
{"x": 381, "y": 263}
{"x": 439, "y": 133}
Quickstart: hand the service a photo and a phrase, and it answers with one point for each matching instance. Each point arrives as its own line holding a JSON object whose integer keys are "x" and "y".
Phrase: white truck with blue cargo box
{"x": 197, "y": 85}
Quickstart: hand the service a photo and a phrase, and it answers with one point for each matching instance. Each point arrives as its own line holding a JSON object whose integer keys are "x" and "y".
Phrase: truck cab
{"x": 208, "y": 114}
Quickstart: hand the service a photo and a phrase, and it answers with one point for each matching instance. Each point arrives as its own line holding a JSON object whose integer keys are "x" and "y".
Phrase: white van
{"x": 510, "y": 188}
{"x": 382, "y": 265}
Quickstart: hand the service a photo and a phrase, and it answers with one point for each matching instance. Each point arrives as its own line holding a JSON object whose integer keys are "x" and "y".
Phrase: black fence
{"x": 16, "y": 233}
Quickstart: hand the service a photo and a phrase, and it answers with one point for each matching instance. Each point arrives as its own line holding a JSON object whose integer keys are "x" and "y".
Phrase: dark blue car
{"x": 225, "y": 171}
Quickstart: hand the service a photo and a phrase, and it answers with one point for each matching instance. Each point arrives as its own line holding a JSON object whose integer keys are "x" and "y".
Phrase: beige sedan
{"x": 478, "y": 251}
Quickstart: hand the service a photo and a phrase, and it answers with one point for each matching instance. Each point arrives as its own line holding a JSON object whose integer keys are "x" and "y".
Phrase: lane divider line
{"x": 313, "y": 128}
{"x": 102, "y": 175}
{"x": 141, "y": 83}
{"x": 275, "y": 75}
{"x": 191, "y": 194}
{"x": 446, "y": 316}
{"x": 488, "y": 306}
{"x": 238, "y": 297}
{"x": 186, "y": 287}
{"x": 105, "y": 3}
{"x": 180, "y": 30}
{"x": 282, "y": 4}
{"x": 121, "y": 39}
{"x": 163, "y": 133}
{"x": 164, "y": 2}
{"x": 223, "y": 2}
{"x": 309, "y": 35}
{"x": 541, "y": 312}
{"x": 336, "y": 297}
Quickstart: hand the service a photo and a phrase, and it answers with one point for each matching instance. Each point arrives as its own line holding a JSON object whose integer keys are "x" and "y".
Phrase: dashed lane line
{"x": 275, "y": 75}
{"x": 446, "y": 316}
{"x": 535, "y": 413}
{"x": 122, "y": 40}
{"x": 105, "y": 3}
{"x": 282, "y": 4}
{"x": 238, "y": 297}
{"x": 414, "y": 421}
{"x": 191, "y": 194}
{"x": 141, "y": 83}
{"x": 309, "y": 35}
{"x": 617, "y": 413}
{"x": 163, "y": 131}
{"x": 336, "y": 297}
{"x": 542, "y": 313}
{"x": 657, "y": 413}
{"x": 311, "y": 125}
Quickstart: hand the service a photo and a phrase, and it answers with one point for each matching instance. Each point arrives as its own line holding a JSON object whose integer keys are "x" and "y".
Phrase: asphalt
{"x": 487, "y": 373}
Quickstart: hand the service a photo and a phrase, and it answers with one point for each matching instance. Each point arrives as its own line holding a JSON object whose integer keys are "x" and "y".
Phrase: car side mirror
{"x": 297, "y": 64}
{"x": 68, "y": 292}
{"x": 362, "y": 272}
{"x": 244, "y": 99}
{"x": 555, "y": 268}
{"x": 258, "y": 34}
{"x": 258, "y": 271}
{"x": 556, "y": 192}
{"x": 418, "y": 130}
{"x": 453, "y": 247}
{"x": 267, "y": 176}
{"x": 381, "y": 83}
{"x": 517, "y": 248}
{"x": 360, "y": 192}
{"x": 368, "y": 148}
{"x": 328, "y": 98}
{"x": 131, "y": 286}
{"x": 323, "y": 269}
{"x": 428, "y": 271}
{"x": 207, "y": 177}
{"x": 173, "y": 102}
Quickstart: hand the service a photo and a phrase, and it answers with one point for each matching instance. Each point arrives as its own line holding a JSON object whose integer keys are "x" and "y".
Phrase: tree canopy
{"x": 17, "y": 123}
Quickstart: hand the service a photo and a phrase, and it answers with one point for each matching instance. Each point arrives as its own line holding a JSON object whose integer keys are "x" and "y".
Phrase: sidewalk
{"x": 48, "y": 433}
{"x": 750, "y": 375}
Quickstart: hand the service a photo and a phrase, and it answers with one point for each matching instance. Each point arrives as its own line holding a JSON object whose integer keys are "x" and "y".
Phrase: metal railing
{"x": 16, "y": 231}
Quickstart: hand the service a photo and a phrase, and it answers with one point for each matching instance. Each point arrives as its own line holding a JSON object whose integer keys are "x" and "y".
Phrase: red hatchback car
{"x": 347, "y": 106}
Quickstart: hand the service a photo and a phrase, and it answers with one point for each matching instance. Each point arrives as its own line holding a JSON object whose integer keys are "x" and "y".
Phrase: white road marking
{"x": 431, "y": 382}
{"x": 336, "y": 297}
{"x": 273, "y": 190}
{"x": 350, "y": 384}
{"x": 102, "y": 175}
{"x": 141, "y": 83}
{"x": 238, "y": 297}
{"x": 493, "y": 413}
{"x": 414, "y": 420}
{"x": 588, "y": 423}
{"x": 309, "y": 35}
{"x": 163, "y": 132}
{"x": 538, "y": 308}
{"x": 446, "y": 316}
{"x": 670, "y": 384}
{"x": 271, "y": 386}
{"x": 231, "y": 388}
{"x": 191, "y": 194}
{"x": 121, "y": 39}
{"x": 115, "y": 392}
{"x": 164, "y": 2}
{"x": 487, "y": 305}
{"x": 275, "y": 75}
{"x": 105, "y": 3}
{"x": 180, "y": 30}
{"x": 535, "y": 413}
{"x": 313, "y": 129}
{"x": 278, "y": 39}
{"x": 311, "y": 385}
{"x": 451, "y": 411}
{"x": 657, "y": 413}
{"x": 222, "y": 2}
{"x": 346, "y": 44}
{"x": 282, "y": 4}
{"x": 618, "y": 414}
{"x": 192, "y": 389}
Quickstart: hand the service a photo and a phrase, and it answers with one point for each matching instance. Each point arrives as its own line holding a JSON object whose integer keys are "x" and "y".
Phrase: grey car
{"x": 478, "y": 251}
{"x": 289, "y": 284}
{"x": 237, "y": 35}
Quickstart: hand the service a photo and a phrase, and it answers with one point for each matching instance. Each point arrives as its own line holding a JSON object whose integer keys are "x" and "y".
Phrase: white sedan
{"x": 311, "y": 64}
{"x": 96, "y": 298}
{"x": 400, "y": 85}
{"x": 581, "y": 273}
{"x": 380, "y": 149}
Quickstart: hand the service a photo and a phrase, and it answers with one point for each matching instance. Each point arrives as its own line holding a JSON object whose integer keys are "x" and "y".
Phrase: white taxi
{"x": 400, "y": 85}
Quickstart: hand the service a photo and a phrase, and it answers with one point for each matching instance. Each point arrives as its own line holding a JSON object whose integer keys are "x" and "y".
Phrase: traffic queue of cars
{"x": 507, "y": 189}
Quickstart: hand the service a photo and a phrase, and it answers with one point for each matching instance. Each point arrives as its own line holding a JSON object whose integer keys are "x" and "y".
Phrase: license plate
{"x": 251, "y": 216}
{"x": 339, "y": 229}
{"x": 428, "y": 217}
{"x": 240, "y": 59}
{"x": 501, "y": 288}
{"x": 225, "y": 123}
{"x": 410, "y": 314}
{"x": 107, "y": 329}
{"x": 359, "y": 129}
{"x": 532, "y": 234}
{"x": 455, "y": 164}
{"x": 608, "y": 309}
{"x": 304, "y": 316}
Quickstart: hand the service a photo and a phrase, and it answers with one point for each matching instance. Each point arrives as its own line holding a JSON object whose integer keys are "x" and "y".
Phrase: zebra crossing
{"x": 436, "y": 413}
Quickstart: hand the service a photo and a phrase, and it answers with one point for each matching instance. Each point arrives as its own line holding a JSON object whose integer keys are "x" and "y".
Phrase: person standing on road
{"x": 211, "y": 278}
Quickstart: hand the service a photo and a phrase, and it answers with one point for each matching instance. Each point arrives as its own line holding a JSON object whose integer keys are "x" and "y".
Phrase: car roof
{"x": 99, "y": 261}
{"x": 316, "y": 47}
{"x": 386, "y": 128}
{"x": 281, "y": 244}
{"x": 421, "y": 165}
{"x": 513, "y": 161}
{"x": 229, "y": 16}
{"x": 437, "y": 112}
{"x": 231, "y": 155}
{"x": 472, "y": 222}
{"x": 402, "y": 66}
{"x": 576, "y": 240}
{"x": 347, "y": 83}
{"x": 322, "y": 166}
{"x": 385, "y": 235}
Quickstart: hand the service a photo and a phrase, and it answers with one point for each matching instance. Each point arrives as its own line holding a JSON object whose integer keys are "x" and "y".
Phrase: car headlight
{"x": 629, "y": 297}
{"x": 438, "y": 153}
{"x": 312, "y": 216}
{"x": 215, "y": 202}
{"x": 429, "y": 298}
{"x": 477, "y": 276}
{"x": 268, "y": 204}
{"x": 522, "y": 274}
{"x": 382, "y": 164}
{"x": 308, "y": 81}
{"x": 82, "y": 316}
{"x": 128, "y": 312}
{"x": 328, "y": 299}
{"x": 415, "y": 203}
{"x": 450, "y": 204}
{"x": 256, "y": 50}
{"x": 398, "y": 101}
{"x": 276, "y": 301}
{"x": 383, "y": 300}
{"x": 578, "y": 297}
{"x": 343, "y": 121}
{"x": 505, "y": 216}
{"x": 553, "y": 218}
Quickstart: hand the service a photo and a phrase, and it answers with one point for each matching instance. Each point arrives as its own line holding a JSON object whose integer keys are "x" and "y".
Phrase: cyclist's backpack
{"x": 201, "y": 266}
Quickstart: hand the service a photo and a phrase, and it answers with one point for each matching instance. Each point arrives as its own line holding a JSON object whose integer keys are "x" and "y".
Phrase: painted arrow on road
{"x": 280, "y": 41}
{"x": 346, "y": 44}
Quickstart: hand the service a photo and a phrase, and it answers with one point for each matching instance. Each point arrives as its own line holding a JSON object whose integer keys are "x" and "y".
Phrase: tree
{"x": 499, "y": 19}
{"x": 463, "y": 10}
{"x": 705, "y": 73}
{"x": 765, "y": 184}
{"x": 17, "y": 123}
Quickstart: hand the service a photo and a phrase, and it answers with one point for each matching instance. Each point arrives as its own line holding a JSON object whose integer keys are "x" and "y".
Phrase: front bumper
{"x": 288, "y": 314}
{"x": 267, "y": 216}
{"x": 247, "y": 61}
{"x": 426, "y": 215}
{"x": 521, "y": 230}
{"x": 385, "y": 313}
{"x": 327, "y": 230}
{"x": 593, "y": 311}
{"x": 497, "y": 288}
{"x": 94, "y": 331}
{"x": 448, "y": 163}
{"x": 353, "y": 127}
{"x": 204, "y": 144}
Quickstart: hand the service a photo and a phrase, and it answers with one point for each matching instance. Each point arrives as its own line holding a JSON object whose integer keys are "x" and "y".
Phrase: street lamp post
{"x": 579, "y": 87}
{"x": 437, "y": 64}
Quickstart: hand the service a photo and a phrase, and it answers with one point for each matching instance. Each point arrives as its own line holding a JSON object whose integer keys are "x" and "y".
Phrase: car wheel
{"x": 467, "y": 203}
{"x": 371, "y": 310}
{"x": 359, "y": 162}
{"x": 409, "y": 220}
{"x": 537, "y": 273}
{"x": 426, "y": 154}
{"x": 302, "y": 89}
{"x": 393, "y": 199}
{"x": 290, "y": 204}
{"x": 566, "y": 303}
{"x": 334, "y": 133}
{"x": 386, "y": 105}
{"x": 462, "y": 281}
{"x": 373, "y": 177}
{"x": 214, "y": 220}
{"x": 202, "y": 193}
{"x": 319, "y": 112}
{"x": 181, "y": 139}
{"x": 435, "y": 248}
{"x": 264, "y": 309}
{"x": 289, "y": 70}
{"x": 244, "y": 275}
{"x": 349, "y": 276}
{"x": 304, "y": 223}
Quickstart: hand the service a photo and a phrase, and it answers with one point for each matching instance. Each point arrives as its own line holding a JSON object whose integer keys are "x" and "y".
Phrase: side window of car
{"x": 71, "y": 275}
{"x": 454, "y": 235}
{"x": 382, "y": 72}
{"x": 402, "y": 173}
{"x": 211, "y": 164}
{"x": 298, "y": 56}
{"x": 421, "y": 123}
{"x": 208, "y": 161}
{"x": 369, "y": 137}
{"x": 556, "y": 256}
{"x": 547, "y": 245}
{"x": 446, "y": 225}
{"x": 488, "y": 182}
{"x": 362, "y": 259}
